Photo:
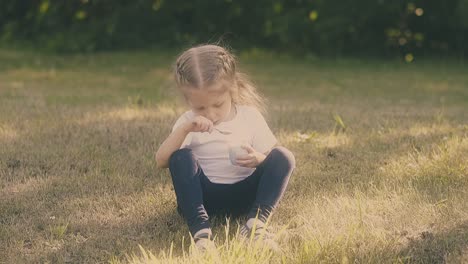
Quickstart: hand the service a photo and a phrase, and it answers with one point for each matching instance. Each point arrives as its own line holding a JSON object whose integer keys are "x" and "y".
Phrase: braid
{"x": 207, "y": 64}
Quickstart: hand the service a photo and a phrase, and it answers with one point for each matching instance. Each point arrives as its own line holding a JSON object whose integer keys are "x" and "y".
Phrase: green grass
{"x": 381, "y": 149}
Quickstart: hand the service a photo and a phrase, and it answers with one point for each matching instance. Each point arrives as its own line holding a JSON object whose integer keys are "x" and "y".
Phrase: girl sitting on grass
{"x": 210, "y": 175}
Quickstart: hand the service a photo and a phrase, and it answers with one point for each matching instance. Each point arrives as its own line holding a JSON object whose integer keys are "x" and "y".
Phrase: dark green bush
{"x": 376, "y": 27}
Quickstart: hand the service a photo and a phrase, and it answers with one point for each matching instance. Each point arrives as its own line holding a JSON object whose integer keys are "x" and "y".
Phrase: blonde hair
{"x": 205, "y": 65}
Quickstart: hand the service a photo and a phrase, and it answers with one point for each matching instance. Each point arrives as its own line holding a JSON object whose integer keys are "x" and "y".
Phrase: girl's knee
{"x": 180, "y": 155}
{"x": 183, "y": 165}
{"x": 284, "y": 153}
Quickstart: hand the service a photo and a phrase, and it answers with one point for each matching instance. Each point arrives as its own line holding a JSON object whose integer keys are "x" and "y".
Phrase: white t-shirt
{"x": 212, "y": 149}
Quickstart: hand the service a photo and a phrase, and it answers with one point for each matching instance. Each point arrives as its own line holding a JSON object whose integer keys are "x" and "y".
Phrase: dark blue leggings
{"x": 198, "y": 197}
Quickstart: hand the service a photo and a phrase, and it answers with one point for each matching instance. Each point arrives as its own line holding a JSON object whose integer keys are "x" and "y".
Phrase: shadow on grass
{"x": 155, "y": 233}
{"x": 436, "y": 247}
{"x": 97, "y": 180}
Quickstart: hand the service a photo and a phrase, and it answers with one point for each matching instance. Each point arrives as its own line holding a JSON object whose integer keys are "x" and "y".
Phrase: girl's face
{"x": 212, "y": 102}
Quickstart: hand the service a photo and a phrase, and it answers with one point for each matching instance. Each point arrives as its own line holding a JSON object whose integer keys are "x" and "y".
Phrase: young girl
{"x": 210, "y": 175}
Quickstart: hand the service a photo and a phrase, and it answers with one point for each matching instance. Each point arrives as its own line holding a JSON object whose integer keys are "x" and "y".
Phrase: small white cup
{"x": 235, "y": 152}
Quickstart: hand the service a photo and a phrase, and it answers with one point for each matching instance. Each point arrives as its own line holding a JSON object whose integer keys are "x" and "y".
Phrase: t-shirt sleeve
{"x": 188, "y": 139}
{"x": 263, "y": 138}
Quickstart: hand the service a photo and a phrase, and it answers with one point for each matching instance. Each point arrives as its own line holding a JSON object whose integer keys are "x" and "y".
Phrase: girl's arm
{"x": 177, "y": 137}
{"x": 171, "y": 144}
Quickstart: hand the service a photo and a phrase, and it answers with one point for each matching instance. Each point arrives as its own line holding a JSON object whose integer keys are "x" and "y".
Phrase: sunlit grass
{"x": 231, "y": 248}
{"x": 8, "y": 133}
{"x": 381, "y": 151}
{"x": 130, "y": 113}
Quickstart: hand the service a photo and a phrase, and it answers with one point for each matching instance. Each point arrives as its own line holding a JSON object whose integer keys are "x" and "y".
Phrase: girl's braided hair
{"x": 205, "y": 65}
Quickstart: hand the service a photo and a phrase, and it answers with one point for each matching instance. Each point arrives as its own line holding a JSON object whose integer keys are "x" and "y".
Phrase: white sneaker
{"x": 259, "y": 233}
{"x": 203, "y": 241}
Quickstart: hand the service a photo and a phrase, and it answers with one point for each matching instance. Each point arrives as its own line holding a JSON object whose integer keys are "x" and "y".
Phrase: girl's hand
{"x": 252, "y": 159}
{"x": 200, "y": 124}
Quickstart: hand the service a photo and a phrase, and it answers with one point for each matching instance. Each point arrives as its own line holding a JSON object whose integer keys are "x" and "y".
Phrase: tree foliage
{"x": 319, "y": 26}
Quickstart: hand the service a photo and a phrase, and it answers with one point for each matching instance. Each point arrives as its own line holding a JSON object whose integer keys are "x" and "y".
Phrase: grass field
{"x": 78, "y": 181}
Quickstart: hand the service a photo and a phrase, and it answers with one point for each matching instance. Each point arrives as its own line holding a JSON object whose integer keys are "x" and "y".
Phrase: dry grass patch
{"x": 381, "y": 150}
